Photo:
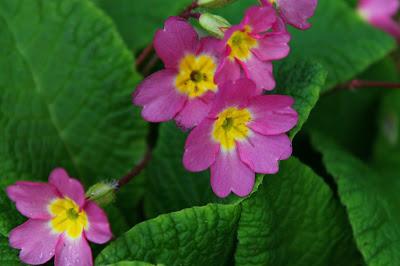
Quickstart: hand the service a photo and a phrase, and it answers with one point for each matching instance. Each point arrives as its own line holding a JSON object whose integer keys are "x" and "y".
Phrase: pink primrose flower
{"x": 185, "y": 88}
{"x": 295, "y": 12}
{"x": 380, "y": 14}
{"x": 60, "y": 221}
{"x": 251, "y": 46}
{"x": 244, "y": 133}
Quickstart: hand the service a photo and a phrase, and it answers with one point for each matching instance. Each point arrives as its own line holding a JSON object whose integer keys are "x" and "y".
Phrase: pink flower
{"x": 60, "y": 221}
{"x": 244, "y": 133}
{"x": 184, "y": 89}
{"x": 295, "y": 12}
{"x": 250, "y": 47}
{"x": 380, "y": 14}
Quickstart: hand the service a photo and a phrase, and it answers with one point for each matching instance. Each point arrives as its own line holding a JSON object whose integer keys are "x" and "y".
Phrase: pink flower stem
{"x": 357, "y": 84}
{"x": 149, "y": 50}
{"x": 136, "y": 170}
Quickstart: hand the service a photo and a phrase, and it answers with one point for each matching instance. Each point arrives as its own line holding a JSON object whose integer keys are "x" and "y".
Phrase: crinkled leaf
{"x": 371, "y": 200}
{"x": 133, "y": 263}
{"x": 8, "y": 256}
{"x": 294, "y": 219}
{"x": 195, "y": 236}
{"x": 171, "y": 187}
{"x": 65, "y": 92}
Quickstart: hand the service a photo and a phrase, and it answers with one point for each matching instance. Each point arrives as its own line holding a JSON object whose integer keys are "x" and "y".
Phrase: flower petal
{"x": 67, "y": 186}
{"x": 234, "y": 94}
{"x": 36, "y": 241}
{"x": 194, "y": 111}
{"x": 272, "y": 114}
{"x": 158, "y": 96}
{"x": 200, "y": 149}
{"x": 297, "y": 12}
{"x": 99, "y": 228}
{"x": 33, "y": 198}
{"x": 211, "y": 46}
{"x": 73, "y": 252}
{"x": 262, "y": 153}
{"x": 378, "y": 8}
{"x": 389, "y": 25}
{"x": 260, "y": 72}
{"x": 230, "y": 174}
{"x": 176, "y": 39}
{"x": 273, "y": 46}
{"x": 259, "y": 18}
{"x": 228, "y": 71}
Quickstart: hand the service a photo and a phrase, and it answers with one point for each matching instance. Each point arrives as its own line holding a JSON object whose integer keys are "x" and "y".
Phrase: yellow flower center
{"x": 241, "y": 43}
{"x": 67, "y": 217}
{"x": 231, "y": 126}
{"x": 196, "y": 75}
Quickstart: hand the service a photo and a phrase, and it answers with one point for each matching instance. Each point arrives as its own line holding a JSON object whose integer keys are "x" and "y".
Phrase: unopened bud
{"x": 102, "y": 193}
{"x": 214, "y": 24}
{"x": 214, "y": 3}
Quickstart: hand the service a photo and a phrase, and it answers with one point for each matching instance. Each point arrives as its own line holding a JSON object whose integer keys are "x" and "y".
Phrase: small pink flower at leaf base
{"x": 380, "y": 14}
{"x": 185, "y": 88}
{"x": 61, "y": 221}
{"x": 244, "y": 133}
{"x": 251, "y": 46}
{"x": 295, "y": 12}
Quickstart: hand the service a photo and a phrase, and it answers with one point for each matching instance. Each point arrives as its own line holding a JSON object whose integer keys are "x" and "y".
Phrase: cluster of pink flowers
{"x": 214, "y": 87}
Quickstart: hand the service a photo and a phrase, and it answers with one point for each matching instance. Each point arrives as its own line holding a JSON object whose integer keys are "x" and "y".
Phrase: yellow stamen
{"x": 231, "y": 126}
{"x": 67, "y": 217}
{"x": 241, "y": 43}
{"x": 196, "y": 75}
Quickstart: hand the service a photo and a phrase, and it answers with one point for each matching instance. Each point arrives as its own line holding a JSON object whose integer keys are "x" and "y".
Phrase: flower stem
{"x": 136, "y": 170}
{"x": 357, "y": 84}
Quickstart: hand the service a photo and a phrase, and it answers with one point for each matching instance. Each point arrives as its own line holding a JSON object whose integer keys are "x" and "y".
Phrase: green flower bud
{"x": 102, "y": 193}
{"x": 214, "y": 24}
{"x": 214, "y": 3}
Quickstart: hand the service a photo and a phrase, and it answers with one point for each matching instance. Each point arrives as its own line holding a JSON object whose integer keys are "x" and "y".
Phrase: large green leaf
{"x": 8, "y": 256}
{"x": 339, "y": 39}
{"x": 195, "y": 236}
{"x": 170, "y": 187}
{"x": 137, "y": 21}
{"x": 132, "y": 263}
{"x": 342, "y": 113}
{"x": 65, "y": 92}
{"x": 371, "y": 201}
{"x": 294, "y": 219}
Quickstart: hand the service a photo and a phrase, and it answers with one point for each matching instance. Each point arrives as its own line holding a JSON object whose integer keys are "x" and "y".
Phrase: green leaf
{"x": 371, "y": 201}
{"x": 9, "y": 216}
{"x": 133, "y": 263}
{"x": 8, "y": 256}
{"x": 339, "y": 39}
{"x": 294, "y": 219}
{"x": 65, "y": 92}
{"x": 342, "y": 113}
{"x": 171, "y": 187}
{"x": 303, "y": 81}
{"x": 195, "y": 236}
{"x": 137, "y": 21}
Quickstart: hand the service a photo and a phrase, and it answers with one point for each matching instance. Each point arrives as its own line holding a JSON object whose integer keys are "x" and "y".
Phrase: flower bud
{"x": 102, "y": 193}
{"x": 214, "y": 24}
{"x": 214, "y": 3}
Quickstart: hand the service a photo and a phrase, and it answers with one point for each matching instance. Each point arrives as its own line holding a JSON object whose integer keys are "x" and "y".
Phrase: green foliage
{"x": 137, "y": 21}
{"x": 371, "y": 201}
{"x": 195, "y": 236}
{"x": 65, "y": 92}
{"x": 294, "y": 212}
{"x": 9, "y": 217}
{"x": 132, "y": 263}
{"x": 8, "y": 256}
